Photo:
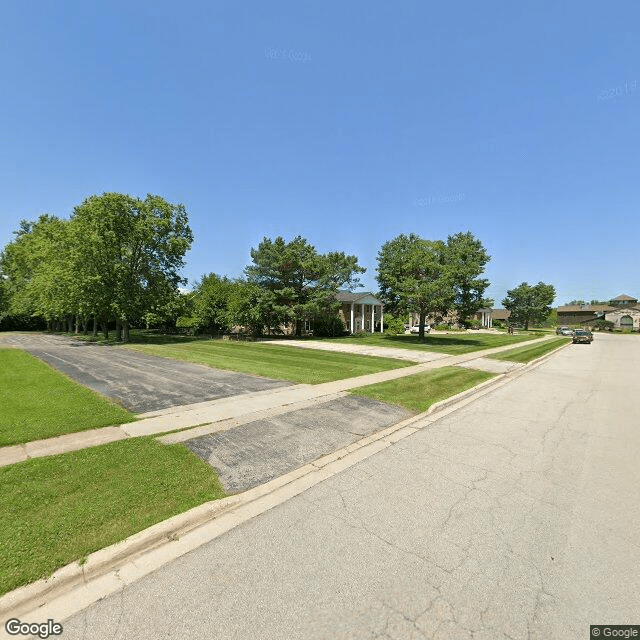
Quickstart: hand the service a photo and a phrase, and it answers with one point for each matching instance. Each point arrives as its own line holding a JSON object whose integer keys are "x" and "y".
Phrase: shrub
{"x": 393, "y": 326}
{"x": 601, "y": 325}
{"x": 328, "y": 326}
{"x": 187, "y": 325}
{"x": 22, "y": 323}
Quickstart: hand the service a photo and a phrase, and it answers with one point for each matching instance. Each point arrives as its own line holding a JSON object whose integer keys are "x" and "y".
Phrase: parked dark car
{"x": 580, "y": 335}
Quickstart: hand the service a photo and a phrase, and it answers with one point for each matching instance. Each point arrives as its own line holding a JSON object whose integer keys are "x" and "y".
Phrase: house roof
{"x": 624, "y": 297}
{"x": 365, "y": 297}
{"x": 587, "y": 308}
{"x": 500, "y": 314}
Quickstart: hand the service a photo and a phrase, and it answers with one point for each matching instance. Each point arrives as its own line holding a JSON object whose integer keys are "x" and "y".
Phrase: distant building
{"x": 361, "y": 311}
{"x": 488, "y": 316}
{"x": 623, "y": 311}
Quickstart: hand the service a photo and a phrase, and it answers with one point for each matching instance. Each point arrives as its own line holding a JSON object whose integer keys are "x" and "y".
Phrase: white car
{"x": 416, "y": 328}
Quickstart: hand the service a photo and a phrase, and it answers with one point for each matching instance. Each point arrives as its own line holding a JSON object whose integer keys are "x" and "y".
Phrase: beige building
{"x": 623, "y": 311}
{"x": 487, "y": 316}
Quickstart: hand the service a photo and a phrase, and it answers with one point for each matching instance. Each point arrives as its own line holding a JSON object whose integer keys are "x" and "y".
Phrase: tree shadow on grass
{"x": 136, "y": 337}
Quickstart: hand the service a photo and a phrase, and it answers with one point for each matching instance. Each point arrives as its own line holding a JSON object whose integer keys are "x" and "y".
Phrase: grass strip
{"x": 453, "y": 344}
{"x": 531, "y": 352}
{"x": 419, "y": 391}
{"x": 58, "y": 509}
{"x": 39, "y": 402}
{"x": 309, "y": 366}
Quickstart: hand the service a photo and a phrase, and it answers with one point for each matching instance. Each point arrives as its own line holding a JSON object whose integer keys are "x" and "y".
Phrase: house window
{"x": 308, "y": 325}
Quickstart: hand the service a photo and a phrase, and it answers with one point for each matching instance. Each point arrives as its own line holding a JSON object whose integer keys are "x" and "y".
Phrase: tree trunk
{"x": 77, "y": 329}
{"x": 95, "y": 325}
{"x": 125, "y": 331}
{"x": 85, "y": 324}
{"x": 118, "y": 330}
{"x": 423, "y": 316}
{"x": 105, "y": 329}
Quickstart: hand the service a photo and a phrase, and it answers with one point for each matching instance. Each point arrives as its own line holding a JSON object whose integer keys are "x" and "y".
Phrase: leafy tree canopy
{"x": 431, "y": 276}
{"x": 128, "y": 253}
{"x": 468, "y": 257}
{"x": 530, "y": 303}
{"x": 118, "y": 257}
{"x": 300, "y": 281}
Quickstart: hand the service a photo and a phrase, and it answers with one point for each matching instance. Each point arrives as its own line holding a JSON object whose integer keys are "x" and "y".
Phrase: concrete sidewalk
{"x": 243, "y": 409}
{"x": 414, "y": 355}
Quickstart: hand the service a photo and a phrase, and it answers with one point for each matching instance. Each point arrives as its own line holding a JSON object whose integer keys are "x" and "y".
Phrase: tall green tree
{"x": 468, "y": 258}
{"x": 129, "y": 252}
{"x": 39, "y": 270}
{"x": 211, "y": 297}
{"x": 416, "y": 275}
{"x": 301, "y": 282}
{"x": 529, "y": 303}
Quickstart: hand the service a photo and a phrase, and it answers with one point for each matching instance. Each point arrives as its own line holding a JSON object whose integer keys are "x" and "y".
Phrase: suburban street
{"x": 515, "y": 517}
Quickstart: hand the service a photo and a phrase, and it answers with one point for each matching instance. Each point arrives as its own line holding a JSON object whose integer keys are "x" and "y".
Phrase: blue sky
{"x": 346, "y": 123}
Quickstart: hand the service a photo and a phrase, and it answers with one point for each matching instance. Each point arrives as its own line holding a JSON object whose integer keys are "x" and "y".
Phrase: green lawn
{"x": 531, "y": 352}
{"x": 453, "y": 343}
{"x": 38, "y": 402}
{"x": 310, "y": 366}
{"x": 58, "y": 509}
{"x": 419, "y": 391}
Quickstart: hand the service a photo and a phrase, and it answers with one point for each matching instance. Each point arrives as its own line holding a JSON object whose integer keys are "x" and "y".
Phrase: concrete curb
{"x": 109, "y": 569}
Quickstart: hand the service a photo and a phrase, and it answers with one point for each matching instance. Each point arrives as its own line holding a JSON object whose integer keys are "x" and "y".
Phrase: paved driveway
{"x": 513, "y": 518}
{"x": 137, "y": 381}
{"x": 257, "y": 452}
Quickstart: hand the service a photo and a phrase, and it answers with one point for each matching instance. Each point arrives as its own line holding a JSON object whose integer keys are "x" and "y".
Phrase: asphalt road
{"x": 515, "y": 517}
{"x": 137, "y": 381}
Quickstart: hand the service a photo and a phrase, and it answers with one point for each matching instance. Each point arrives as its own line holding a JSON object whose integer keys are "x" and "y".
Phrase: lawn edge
{"x": 68, "y": 378}
{"x": 110, "y": 569}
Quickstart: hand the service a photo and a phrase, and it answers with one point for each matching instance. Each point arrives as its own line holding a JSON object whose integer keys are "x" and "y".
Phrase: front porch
{"x": 361, "y": 312}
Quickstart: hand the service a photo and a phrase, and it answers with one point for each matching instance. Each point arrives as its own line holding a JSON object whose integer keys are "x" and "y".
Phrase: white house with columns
{"x": 361, "y": 311}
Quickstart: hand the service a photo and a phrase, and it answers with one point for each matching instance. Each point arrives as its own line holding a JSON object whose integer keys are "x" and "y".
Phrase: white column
{"x": 373, "y": 316}
{"x": 381, "y": 320}
{"x": 362, "y": 315}
{"x": 352, "y": 314}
